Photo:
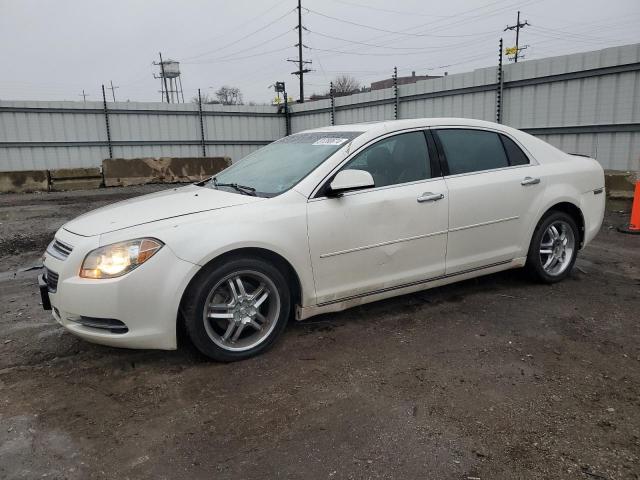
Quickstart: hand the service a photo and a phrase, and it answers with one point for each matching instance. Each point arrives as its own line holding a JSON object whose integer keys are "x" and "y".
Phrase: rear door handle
{"x": 530, "y": 181}
{"x": 430, "y": 197}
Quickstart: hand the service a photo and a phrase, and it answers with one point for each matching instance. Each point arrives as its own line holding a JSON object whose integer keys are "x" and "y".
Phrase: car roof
{"x": 392, "y": 125}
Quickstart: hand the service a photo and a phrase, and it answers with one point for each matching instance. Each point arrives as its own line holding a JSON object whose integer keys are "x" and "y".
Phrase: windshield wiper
{"x": 239, "y": 188}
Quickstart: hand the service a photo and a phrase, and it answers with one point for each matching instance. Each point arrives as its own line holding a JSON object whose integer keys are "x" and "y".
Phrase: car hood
{"x": 175, "y": 202}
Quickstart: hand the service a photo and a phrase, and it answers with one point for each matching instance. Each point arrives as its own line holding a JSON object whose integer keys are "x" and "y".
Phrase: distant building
{"x": 413, "y": 78}
{"x": 379, "y": 85}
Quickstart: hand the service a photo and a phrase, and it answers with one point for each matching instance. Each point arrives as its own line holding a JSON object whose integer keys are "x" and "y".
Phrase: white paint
{"x": 363, "y": 246}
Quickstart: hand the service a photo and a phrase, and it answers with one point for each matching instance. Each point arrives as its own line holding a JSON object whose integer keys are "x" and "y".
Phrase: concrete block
{"x": 75, "y": 173}
{"x": 138, "y": 171}
{"x": 620, "y": 184}
{"x": 24, "y": 181}
{"x": 65, "y": 179}
{"x": 69, "y": 184}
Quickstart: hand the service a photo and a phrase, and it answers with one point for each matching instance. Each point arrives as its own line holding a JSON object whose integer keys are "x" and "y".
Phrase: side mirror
{"x": 348, "y": 180}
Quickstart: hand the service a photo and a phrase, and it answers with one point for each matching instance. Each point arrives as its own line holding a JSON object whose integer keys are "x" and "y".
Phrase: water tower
{"x": 170, "y": 80}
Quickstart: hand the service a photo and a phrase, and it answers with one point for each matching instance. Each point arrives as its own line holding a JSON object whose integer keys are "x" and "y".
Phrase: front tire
{"x": 554, "y": 248}
{"x": 238, "y": 309}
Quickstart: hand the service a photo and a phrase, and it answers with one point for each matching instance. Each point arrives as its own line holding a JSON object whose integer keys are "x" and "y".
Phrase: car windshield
{"x": 276, "y": 168}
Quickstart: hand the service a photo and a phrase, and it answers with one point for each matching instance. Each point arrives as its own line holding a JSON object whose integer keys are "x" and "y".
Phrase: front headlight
{"x": 119, "y": 258}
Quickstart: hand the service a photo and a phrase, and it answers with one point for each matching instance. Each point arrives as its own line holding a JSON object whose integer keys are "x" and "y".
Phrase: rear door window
{"x": 469, "y": 150}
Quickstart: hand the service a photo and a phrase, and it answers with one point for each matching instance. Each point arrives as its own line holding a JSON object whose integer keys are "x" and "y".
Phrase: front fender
{"x": 278, "y": 225}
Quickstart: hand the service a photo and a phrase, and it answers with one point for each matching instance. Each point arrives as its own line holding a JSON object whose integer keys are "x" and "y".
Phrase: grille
{"x": 59, "y": 249}
{"x": 51, "y": 279}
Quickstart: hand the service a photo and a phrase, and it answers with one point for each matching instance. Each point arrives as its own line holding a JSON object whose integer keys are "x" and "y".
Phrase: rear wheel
{"x": 554, "y": 248}
{"x": 237, "y": 310}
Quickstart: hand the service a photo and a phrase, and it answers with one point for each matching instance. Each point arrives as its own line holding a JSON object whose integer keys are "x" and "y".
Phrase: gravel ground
{"x": 493, "y": 378}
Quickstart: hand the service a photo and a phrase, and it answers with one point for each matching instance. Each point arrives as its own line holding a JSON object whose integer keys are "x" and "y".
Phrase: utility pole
{"x": 83, "y": 95}
{"x": 301, "y": 63}
{"x": 163, "y": 78}
{"x": 113, "y": 90}
{"x": 517, "y": 28}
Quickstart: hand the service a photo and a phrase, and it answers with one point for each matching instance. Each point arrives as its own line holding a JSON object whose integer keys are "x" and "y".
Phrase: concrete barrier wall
{"x": 65, "y": 179}
{"x": 114, "y": 172}
{"x": 120, "y": 172}
{"x": 24, "y": 181}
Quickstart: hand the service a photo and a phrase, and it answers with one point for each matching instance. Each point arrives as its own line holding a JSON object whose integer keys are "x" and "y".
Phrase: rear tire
{"x": 554, "y": 248}
{"x": 236, "y": 310}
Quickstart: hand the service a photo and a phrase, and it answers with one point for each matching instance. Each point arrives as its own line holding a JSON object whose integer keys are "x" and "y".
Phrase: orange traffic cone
{"x": 634, "y": 222}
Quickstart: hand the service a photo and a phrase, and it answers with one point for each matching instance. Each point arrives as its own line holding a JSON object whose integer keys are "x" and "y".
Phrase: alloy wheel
{"x": 557, "y": 247}
{"x": 241, "y": 310}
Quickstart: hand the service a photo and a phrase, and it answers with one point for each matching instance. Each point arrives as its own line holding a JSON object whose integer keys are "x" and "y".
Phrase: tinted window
{"x": 472, "y": 150}
{"x": 514, "y": 152}
{"x": 398, "y": 159}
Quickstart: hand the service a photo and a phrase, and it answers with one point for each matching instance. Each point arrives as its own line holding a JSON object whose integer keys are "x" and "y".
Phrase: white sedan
{"x": 318, "y": 222}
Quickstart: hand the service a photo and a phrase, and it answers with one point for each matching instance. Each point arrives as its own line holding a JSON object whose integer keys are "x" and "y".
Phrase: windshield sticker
{"x": 330, "y": 141}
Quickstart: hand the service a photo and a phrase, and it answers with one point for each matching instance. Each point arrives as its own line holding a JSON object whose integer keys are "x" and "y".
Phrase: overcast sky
{"x": 52, "y": 50}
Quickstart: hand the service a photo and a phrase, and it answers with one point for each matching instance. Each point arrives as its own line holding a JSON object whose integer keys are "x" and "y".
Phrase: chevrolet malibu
{"x": 318, "y": 222}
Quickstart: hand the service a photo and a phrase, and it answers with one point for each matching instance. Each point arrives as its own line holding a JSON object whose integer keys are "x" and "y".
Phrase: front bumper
{"x": 137, "y": 310}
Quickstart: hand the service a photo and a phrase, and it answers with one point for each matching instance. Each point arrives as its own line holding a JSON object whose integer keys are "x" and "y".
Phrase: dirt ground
{"x": 494, "y": 378}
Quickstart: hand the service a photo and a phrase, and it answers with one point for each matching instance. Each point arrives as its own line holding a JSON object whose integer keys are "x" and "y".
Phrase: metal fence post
{"x": 202, "y": 144}
{"x": 500, "y": 90}
{"x": 287, "y": 120}
{"x": 395, "y": 93}
{"x": 106, "y": 119}
{"x": 333, "y": 103}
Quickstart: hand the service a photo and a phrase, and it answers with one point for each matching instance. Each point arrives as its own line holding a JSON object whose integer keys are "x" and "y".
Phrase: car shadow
{"x": 124, "y": 359}
{"x": 495, "y": 283}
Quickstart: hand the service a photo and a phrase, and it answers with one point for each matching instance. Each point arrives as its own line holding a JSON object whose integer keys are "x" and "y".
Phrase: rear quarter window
{"x": 514, "y": 152}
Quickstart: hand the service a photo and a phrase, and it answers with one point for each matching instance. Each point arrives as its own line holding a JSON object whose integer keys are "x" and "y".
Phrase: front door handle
{"x": 430, "y": 197}
{"x": 530, "y": 181}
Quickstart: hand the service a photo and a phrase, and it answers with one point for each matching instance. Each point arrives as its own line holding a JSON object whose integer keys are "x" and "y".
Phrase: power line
{"x": 550, "y": 32}
{"x": 462, "y": 14}
{"x": 594, "y": 26}
{"x": 238, "y": 26}
{"x": 598, "y": 26}
{"x": 435, "y": 47}
{"x": 253, "y": 47}
{"x": 386, "y": 10}
{"x": 552, "y": 37}
{"x": 423, "y": 49}
{"x": 217, "y": 49}
{"x": 214, "y": 60}
{"x": 369, "y": 54}
{"x": 393, "y": 31}
{"x": 464, "y": 19}
{"x": 490, "y": 13}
